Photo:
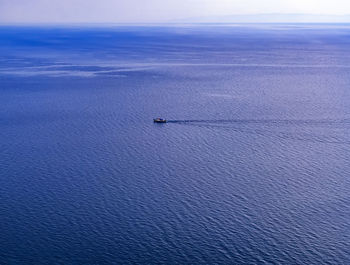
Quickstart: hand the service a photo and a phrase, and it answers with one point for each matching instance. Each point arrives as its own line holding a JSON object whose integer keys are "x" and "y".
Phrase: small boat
{"x": 159, "y": 120}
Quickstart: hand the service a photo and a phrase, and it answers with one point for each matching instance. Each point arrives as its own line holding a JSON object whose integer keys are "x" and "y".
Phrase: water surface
{"x": 252, "y": 168}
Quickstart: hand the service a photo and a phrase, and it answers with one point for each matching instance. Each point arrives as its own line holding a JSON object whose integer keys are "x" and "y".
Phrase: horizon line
{"x": 247, "y": 18}
{"x": 26, "y": 24}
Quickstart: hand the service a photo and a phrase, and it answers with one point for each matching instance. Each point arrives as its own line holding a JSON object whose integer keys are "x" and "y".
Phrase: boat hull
{"x": 159, "y": 121}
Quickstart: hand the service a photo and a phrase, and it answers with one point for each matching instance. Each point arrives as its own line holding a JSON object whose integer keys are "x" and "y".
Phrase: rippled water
{"x": 253, "y": 166}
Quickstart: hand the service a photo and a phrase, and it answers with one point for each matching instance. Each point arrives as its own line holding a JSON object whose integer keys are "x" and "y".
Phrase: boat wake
{"x": 267, "y": 121}
{"x": 303, "y": 129}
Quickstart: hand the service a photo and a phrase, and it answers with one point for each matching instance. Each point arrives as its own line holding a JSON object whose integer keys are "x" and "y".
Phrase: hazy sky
{"x": 115, "y": 11}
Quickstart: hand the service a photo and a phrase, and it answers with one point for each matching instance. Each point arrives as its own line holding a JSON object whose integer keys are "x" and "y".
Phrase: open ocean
{"x": 253, "y": 166}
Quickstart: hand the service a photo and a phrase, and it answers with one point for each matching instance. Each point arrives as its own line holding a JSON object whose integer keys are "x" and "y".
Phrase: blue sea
{"x": 253, "y": 166}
